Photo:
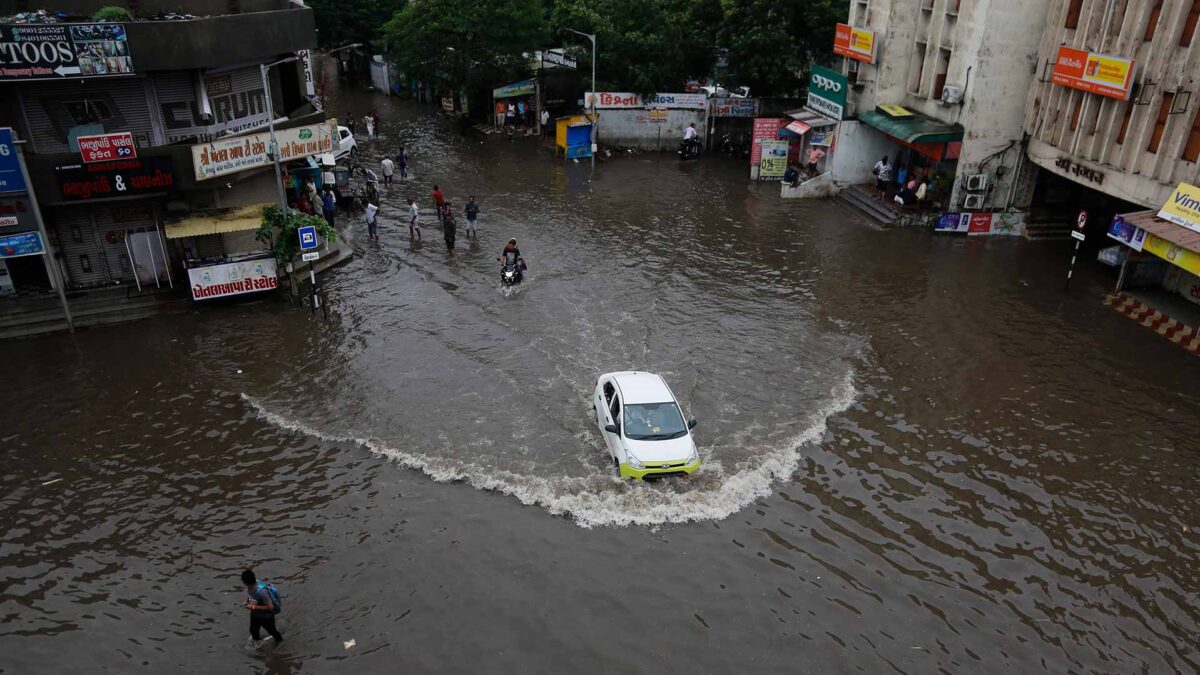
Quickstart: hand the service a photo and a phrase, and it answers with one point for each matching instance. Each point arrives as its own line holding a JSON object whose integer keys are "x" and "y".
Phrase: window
{"x": 1189, "y": 25}
{"x": 939, "y": 82}
{"x": 1191, "y": 151}
{"x": 1160, "y": 124}
{"x": 1152, "y": 25}
{"x": 1073, "y": 12}
{"x": 615, "y": 409}
{"x": 1075, "y": 114}
{"x": 654, "y": 422}
{"x": 1125, "y": 123}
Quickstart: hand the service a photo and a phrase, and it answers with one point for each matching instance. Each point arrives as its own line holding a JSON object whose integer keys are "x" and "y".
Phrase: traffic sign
{"x": 11, "y": 178}
{"x": 309, "y": 257}
{"x": 1078, "y": 234}
{"x": 1081, "y": 221}
{"x": 308, "y": 238}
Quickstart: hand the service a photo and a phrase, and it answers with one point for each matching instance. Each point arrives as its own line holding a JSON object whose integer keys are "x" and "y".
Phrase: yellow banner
{"x": 892, "y": 110}
{"x": 862, "y": 40}
{"x": 1176, "y": 255}
{"x": 1183, "y": 208}
{"x": 1107, "y": 70}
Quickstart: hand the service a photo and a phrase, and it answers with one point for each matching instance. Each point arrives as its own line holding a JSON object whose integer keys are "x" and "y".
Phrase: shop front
{"x": 220, "y": 252}
{"x": 22, "y": 265}
{"x": 516, "y": 108}
{"x": 919, "y": 148}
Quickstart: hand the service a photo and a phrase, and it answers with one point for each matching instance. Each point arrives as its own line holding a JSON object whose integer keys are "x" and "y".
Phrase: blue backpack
{"x": 271, "y": 591}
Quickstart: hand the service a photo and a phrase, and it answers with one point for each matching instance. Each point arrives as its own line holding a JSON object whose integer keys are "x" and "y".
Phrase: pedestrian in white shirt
{"x": 413, "y": 211}
{"x": 372, "y": 227}
{"x": 389, "y": 168}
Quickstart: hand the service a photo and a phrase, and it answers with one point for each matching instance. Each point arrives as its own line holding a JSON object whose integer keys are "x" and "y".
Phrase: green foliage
{"x": 278, "y": 231}
{"x": 342, "y": 22}
{"x": 112, "y": 13}
{"x": 771, "y": 44}
{"x": 466, "y": 42}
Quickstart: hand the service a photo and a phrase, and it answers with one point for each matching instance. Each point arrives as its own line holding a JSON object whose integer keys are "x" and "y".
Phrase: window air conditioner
{"x": 973, "y": 202}
{"x": 951, "y": 94}
{"x": 977, "y": 182}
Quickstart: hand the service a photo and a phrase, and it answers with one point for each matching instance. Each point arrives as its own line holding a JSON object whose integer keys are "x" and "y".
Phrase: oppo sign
{"x": 827, "y": 92}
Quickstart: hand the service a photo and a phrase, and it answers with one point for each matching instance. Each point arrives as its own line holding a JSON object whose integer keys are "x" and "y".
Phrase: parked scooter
{"x": 689, "y": 148}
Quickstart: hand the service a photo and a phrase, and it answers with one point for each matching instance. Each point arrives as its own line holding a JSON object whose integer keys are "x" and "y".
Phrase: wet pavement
{"x": 919, "y": 453}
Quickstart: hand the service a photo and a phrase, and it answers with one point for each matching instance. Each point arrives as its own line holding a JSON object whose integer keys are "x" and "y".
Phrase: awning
{"x": 794, "y": 128}
{"x": 217, "y": 221}
{"x": 917, "y": 129}
{"x": 811, "y": 119}
{"x": 1175, "y": 234}
{"x": 523, "y": 88}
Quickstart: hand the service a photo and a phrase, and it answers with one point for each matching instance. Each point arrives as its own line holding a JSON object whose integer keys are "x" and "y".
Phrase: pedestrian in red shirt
{"x": 439, "y": 201}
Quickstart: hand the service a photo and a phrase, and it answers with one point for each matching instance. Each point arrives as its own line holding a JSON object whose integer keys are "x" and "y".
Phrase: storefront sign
{"x": 619, "y": 100}
{"x": 1002, "y": 223}
{"x": 22, "y": 244}
{"x": 11, "y": 177}
{"x": 63, "y": 50}
{"x": 774, "y": 160}
{"x": 557, "y": 59}
{"x": 1131, "y": 235}
{"x": 854, "y": 43}
{"x": 310, "y": 82}
{"x": 733, "y": 107}
{"x": 827, "y": 91}
{"x": 658, "y": 114}
{"x": 107, "y": 147}
{"x": 17, "y": 212}
{"x": 765, "y": 129}
{"x": 115, "y": 179}
{"x": 1172, "y": 253}
{"x": 220, "y": 281}
{"x": 231, "y": 155}
{"x": 892, "y": 110}
{"x": 1110, "y": 76}
{"x": 1183, "y": 208}
{"x": 448, "y": 103}
{"x": 1076, "y": 169}
{"x": 522, "y": 88}
{"x": 236, "y": 103}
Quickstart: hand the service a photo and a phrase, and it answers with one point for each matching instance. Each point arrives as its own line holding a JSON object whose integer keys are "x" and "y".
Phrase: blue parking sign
{"x": 308, "y": 237}
{"x": 11, "y": 178}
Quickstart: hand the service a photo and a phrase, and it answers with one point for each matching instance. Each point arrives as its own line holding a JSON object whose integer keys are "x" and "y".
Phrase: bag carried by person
{"x": 274, "y": 593}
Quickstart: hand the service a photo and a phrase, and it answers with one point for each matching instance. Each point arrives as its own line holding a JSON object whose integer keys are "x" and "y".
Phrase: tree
{"x": 771, "y": 43}
{"x": 342, "y": 22}
{"x": 278, "y": 230}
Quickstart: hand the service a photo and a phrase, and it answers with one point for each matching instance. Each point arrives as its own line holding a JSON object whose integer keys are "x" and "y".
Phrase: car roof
{"x": 638, "y": 387}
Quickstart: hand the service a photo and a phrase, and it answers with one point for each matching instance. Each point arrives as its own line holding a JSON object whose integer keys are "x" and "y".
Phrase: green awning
{"x": 915, "y": 129}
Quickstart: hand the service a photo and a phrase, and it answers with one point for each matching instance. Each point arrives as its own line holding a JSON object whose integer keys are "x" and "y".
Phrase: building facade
{"x": 143, "y": 95}
{"x": 942, "y": 84}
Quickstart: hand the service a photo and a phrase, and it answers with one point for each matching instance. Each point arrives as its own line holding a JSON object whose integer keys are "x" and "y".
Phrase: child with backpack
{"x": 263, "y": 602}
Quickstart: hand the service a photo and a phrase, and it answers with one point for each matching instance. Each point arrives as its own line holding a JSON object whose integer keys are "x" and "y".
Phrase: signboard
{"x": 11, "y": 178}
{"x": 17, "y": 211}
{"x": 115, "y": 179}
{"x": 827, "y": 91}
{"x": 221, "y": 281}
{"x": 619, "y": 100}
{"x": 658, "y": 114}
{"x": 774, "y": 160}
{"x": 765, "y": 129}
{"x": 310, "y": 257}
{"x": 236, "y": 103}
{"x": 855, "y": 43}
{"x": 107, "y": 147}
{"x": 55, "y": 51}
{"x": 1131, "y": 235}
{"x": 310, "y": 83}
{"x": 1183, "y": 208}
{"x": 557, "y": 59}
{"x": 522, "y": 88}
{"x": 1002, "y": 223}
{"x": 733, "y": 107}
{"x": 1110, "y": 76}
{"x": 953, "y": 222}
{"x": 1172, "y": 253}
{"x": 240, "y": 153}
{"x": 448, "y": 103}
{"x": 308, "y": 237}
{"x": 1078, "y": 234}
{"x": 892, "y": 110}
{"x": 22, "y": 244}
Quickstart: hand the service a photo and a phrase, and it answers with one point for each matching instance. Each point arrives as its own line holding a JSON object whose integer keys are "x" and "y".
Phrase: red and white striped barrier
{"x": 1182, "y": 334}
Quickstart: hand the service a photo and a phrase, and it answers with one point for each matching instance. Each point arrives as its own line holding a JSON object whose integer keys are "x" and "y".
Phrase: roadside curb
{"x": 1182, "y": 334}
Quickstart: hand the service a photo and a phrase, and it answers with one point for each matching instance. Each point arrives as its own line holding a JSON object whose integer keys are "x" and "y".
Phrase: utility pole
{"x": 595, "y": 117}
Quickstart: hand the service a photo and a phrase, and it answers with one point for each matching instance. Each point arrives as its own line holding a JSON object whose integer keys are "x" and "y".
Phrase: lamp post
{"x": 265, "y": 69}
{"x": 595, "y": 117}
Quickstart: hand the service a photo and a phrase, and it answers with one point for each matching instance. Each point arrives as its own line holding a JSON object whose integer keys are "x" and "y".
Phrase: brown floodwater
{"x": 919, "y": 453}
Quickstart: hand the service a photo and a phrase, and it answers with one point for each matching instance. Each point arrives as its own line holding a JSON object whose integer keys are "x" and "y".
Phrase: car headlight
{"x": 633, "y": 461}
{"x": 694, "y": 457}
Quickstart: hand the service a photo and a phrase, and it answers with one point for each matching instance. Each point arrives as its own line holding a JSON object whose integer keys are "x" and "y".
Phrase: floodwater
{"x": 920, "y": 455}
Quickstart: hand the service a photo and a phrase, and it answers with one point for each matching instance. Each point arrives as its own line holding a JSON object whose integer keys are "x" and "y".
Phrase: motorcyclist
{"x": 511, "y": 255}
{"x": 690, "y": 137}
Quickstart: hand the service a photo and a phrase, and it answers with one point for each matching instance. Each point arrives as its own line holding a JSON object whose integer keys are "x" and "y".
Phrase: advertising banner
{"x": 953, "y": 222}
{"x": 855, "y": 43}
{"x": 618, "y": 100}
{"x": 827, "y": 91}
{"x": 1176, "y": 255}
{"x": 733, "y": 107}
{"x": 63, "y": 50}
{"x": 522, "y": 88}
{"x": 22, "y": 244}
{"x": 1183, "y": 208}
{"x": 107, "y": 147}
{"x": 765, "y": 129}
{"x": 17, "y": 211}
{"x": 220, "y": 281}
{"x": 11, "y": 178}
{"x": 1131, "y": 235}
{"x": 1003, "y": 223}
{"x": 558, "y": 59}
{"x": 115, "y": 179}
{"x": 231, "y": 155}
{"x": 774, "y": 160}
{"x": 1110, "y": 76}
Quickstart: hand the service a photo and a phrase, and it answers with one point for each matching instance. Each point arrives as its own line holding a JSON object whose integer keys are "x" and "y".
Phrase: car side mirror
{"x": 612, "y": 429}
{"x": 691, "y": 424}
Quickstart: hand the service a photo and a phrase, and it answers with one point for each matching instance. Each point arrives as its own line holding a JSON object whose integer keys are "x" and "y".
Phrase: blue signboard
{"x": 308, "y": 237}
{"x": 11, "y": 179}
{"x": 17, "y": 245}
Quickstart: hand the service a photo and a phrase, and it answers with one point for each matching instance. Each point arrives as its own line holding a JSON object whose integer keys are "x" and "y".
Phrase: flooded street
{"x": 919, "y": 453}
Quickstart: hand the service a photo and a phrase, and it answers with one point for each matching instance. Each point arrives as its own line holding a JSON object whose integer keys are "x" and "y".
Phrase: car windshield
{"x": 654, "y": 422}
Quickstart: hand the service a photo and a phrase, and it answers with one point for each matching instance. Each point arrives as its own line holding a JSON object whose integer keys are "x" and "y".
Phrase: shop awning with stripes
{"x": 217, "y": 221}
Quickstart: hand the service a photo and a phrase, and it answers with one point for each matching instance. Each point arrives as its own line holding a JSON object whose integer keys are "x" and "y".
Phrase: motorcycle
{"x": 370, "y": 190}
{"x": 512, "y": 273}
{"x": 732, "y": 146}
{"x": 689, "y": 148}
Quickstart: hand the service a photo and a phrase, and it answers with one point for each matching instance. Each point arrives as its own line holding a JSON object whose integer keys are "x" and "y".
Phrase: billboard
{"x": 57, "y": 51}
{"x": 827, "y": 91}
{"x": 240, "y": 153}
{"x": 1102, "y": 74}
{"x": 855, "y": 43}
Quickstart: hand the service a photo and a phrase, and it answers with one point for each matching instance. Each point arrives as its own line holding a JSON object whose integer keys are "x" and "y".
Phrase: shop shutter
{"x": 117, "y": 104}
{"x": 239, "y": 243}
{"x": 174, "y": 87}
{"x": 81, "y": 252}
{"x": 206, "y": 246}
{"x": 112, "y": 220}
{"x": 243, "y": 84}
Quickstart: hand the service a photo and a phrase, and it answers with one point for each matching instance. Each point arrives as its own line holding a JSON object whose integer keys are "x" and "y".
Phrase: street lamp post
{"x": 595, "y": 117}
{"x": 265, "y": 69}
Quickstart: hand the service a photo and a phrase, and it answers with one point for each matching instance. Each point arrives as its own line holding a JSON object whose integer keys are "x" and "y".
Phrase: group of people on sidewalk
{"x": 906, "y": 189}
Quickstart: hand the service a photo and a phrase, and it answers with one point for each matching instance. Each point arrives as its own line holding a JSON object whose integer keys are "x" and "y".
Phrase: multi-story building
{"x": 172, "y": 81}
{"x": 940, "y": 86}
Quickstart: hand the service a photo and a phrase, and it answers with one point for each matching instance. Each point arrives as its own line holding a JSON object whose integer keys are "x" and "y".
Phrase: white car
{"x": 643, "y": 426}
{"x": 347, "y": 146}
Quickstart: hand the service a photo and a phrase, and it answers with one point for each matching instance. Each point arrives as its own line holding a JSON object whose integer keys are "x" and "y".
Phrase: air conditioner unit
{"x": 951, "y": 94}
{"x": 977, "y": 182}
{"x": 973, "y": 202}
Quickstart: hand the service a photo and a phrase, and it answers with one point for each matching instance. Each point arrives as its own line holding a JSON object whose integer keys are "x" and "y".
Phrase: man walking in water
{"x": 413, "y": 212}
{"x": 372, "y": 224}
{"x": 262, "y": 608}
{"x": 389, "y": 168}
{"x": 439, "y": 200}
{"x": 472, "y": 211}
{"x": 448, "y": 227}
